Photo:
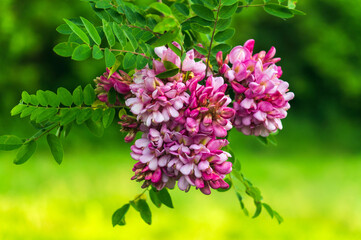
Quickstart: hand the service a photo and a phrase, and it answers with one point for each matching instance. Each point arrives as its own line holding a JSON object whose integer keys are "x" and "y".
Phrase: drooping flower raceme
{"x": 185, "y": 118}
{"x": 261, "y": 98}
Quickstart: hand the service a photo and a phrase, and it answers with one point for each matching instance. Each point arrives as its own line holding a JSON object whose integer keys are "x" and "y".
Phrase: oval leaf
{"x": 25, "y": 152}
{"x": 278, "y": 10}
{"x": 81, "y": 53}
{"x": 81, "y": 34}
{"x": 224, "y": 35}
{"x": 203, "y": 12}
{"x": 65, "y": 97}
{"x": 118, "y": 217}
{"x": 56, "y": 147}
{"x": 78, "y": 96}
{"x": 89, "y": 95}
{"x": 92, "y": 31}
{"x": 10, "y": 142}
{"x": 161, "y": 7}
{"x": 144, "y": 211}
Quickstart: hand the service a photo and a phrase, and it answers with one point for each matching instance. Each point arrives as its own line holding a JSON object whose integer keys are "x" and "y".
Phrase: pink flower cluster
{"x": 182, "y": 122}
{"x": 261, "y": 98}
{"x": 185, "y": 118}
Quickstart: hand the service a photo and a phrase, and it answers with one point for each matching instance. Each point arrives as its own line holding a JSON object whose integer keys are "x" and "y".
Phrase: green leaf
{"x": 144, "y": 210}
{"x": 129, "y": 14}
{"x": 161, "y": 7}
{"x": 65, "y": 49}
{"x": 165, "y": 25}
{"x": 201, "y": 50}
{"x": 269, "y": 209}
{"x": 109, "y": 58}
{"x": 68, "y": 116}
{"x": 263, "y": 140}
{"x": 227, "y": 11}
{"x": 229, "y": 2}
{"x": 182, "y": 8}
{"x": 119, "y": 34}
{"x": 95, "y": 127}
{"x": 81, "y": 53}
{"x": 223, "y": 24}
{"x": 168, "y": 74}
{"x": 34, "y": 100}
{"x": 169, "y": 65}
{"x": 129, "y": 60}
{"x": 41, "y": 96}
{"x": 203, "y": 12}
{"x": 81, "y": 34}
{"x": 175, "y": 50}
{"x": 141, "y": 61}
{"x": 198, "y": 28}
{"x": 25, "y": 97}
{"x": 64, "y": 29}
{"x": 65, "y": 97}
{"x": 53, "y": 99}
{"x": 103, "y": 4}
{"x": 27, "y": 111}
{"x": 278, "y": 10}
{"x": 112, "y": 96}
{"x": 221, "y": 47}
{"x": 224, "y": 35}
{"x": 154, "y": 197}
{"x": 92, "y": 31}
{"x": 133, "y": 41}
{"x": 46, "y": 114}
{"x": 25, "y": 152}
{"x": 10, "y": 142}
{"x": 17, "y": 109}
{"x": 165, "y": 197}
{"x": 108, "y": 33}
{"x": 89, "y": 95}
{"x": 108, "y": 117}
{"x": 78, "y": 96}
{"x": 258, "y": 209}
{"x": 97, "y": 114}
{"x": 56, "y": 147}
{"x": 166, "y": 38}
{"x": 97, "y": 53}
{"x": 118, "y": 217}
{"x": 278, "y": 217}
{"x": 297, "y": 12}
{"x": 83, "y": 115}
{"x": 36, "y": 113}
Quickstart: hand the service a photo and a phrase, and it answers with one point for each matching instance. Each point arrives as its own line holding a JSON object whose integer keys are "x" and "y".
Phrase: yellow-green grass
{"x": 318, "y": 196}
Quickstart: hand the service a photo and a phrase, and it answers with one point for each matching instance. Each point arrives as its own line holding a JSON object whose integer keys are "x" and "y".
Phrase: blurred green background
{"x": 312, "y": 178}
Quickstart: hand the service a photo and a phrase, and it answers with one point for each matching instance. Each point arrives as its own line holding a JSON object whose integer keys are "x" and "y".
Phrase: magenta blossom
{"x": 261, "y": 99}
{"x": 119, "y": 81}
{"x": 154, "y": 101}
{"x": 168, "y": 155}
{"x": 207, "y": 111}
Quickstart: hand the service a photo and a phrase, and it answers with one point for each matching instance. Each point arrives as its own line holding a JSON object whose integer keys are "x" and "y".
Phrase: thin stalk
{"x": 214, "y": 31}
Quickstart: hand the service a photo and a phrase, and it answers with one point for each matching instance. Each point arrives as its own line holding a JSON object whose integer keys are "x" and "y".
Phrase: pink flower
{"x": 154, "y": 101}
{"x": 130, "y": 125}
{"x": 207, "y": 111}
{"x": 261, "y": 99}
{"x": 119, "y": 81}
{"x": 167, "y": 155}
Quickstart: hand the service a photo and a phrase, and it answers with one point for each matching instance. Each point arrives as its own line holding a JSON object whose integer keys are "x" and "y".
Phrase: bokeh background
{"x": 312, "y": 178}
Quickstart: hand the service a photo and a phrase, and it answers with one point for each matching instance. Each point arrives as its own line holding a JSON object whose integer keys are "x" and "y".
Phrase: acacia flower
{"x": 120, "y": 81}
